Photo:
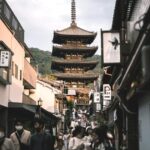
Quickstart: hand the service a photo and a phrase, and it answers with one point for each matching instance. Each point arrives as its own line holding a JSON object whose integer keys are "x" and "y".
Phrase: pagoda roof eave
{"x": 74, "y": 48}
{"x": 59, "y": 65}
{"x": 63, "y": 62}
{"x": 76, "y": 33}
{"x": 75, "y": 30}
{"x": 86, "y": 51}
{"x": 76, "y": 76}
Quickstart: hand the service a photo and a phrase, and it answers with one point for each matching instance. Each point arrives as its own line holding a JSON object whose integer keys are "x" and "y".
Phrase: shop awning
{"x": 26, "y": 111}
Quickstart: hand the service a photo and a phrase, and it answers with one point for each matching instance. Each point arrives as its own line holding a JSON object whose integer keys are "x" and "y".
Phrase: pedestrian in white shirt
{"x": 76, "y": 142}
{"x": 20, "y": 137}
{"x": 5, "y": 143}
{"x": 66, "y": 137}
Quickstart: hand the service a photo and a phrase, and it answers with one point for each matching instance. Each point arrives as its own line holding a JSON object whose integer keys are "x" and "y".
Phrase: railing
{"x": 29, "y": 75}
{"x": 28, "y": 100}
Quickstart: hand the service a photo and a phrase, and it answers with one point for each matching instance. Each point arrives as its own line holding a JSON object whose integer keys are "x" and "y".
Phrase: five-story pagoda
{"x": 71, "y": 49}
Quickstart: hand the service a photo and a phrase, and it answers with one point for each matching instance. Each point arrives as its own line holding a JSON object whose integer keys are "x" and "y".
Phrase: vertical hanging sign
{"x": 4, "y": 58}
{"x": 110, "y": 47}
{"x": 96, "y": 97}
{"x": 106, "y": 92}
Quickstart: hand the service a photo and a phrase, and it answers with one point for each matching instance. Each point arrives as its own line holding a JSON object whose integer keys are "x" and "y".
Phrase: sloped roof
{"x": 76, "y": 33}
{"x": 77, "y": 47}
{"x": 61, "y": 64}
{"x": 75, "y": 30}
{"x": 71, "y": 61}
{"x": 123, "y": 11}
{"x": 75, "y": 76}
{"x": 86, "y": 51}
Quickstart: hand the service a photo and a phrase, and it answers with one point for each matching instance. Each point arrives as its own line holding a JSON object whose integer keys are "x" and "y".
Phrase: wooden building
{"x": 128, "y": 111}
{"x": 72, "y": 51}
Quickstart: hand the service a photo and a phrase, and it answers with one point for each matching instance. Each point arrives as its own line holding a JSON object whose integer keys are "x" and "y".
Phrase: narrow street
{"x": 74, "y": 80}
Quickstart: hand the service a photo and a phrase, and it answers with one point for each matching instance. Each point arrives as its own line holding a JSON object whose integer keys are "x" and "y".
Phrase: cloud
{"x": 40, "y": 18}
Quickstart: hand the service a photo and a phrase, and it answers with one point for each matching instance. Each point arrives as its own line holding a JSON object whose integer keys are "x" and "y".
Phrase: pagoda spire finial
{"x": 73, "y": 13}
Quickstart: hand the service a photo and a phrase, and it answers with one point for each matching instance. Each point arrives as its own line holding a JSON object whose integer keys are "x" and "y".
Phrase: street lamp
{"x": 38, "y": 109}
{"x": 40, "y": 102}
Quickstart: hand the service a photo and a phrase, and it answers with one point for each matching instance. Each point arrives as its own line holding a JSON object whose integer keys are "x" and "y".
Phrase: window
{"x": 7, "y": 12}
{"x": 20, "y": 74}
{"x": 16, "y": 71}
{"x": 12, "y": 68}
{"x": 0, "y": 7}
{"x": 14, "y": 23}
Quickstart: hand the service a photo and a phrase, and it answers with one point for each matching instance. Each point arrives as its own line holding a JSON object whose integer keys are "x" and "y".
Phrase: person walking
{"x": 40, "y": 140}
{"x": 88, "y": 139}
{"x": 48, "y": 130}
{"x": 5, "y": 143}
{"x": 59, "y": 140}
{"x": 20, "y": 137}
{"x": 100, "y": 139}
{"x": 66, "y": 137}
{"x": 76, "y": 142}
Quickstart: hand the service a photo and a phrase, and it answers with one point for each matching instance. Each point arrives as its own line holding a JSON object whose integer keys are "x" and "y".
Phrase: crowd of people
{"x": 81, "y": 135}
{"x": 81, "y": 138}
{"x": 21, "y": 139}
{"x": 85, "y": 134}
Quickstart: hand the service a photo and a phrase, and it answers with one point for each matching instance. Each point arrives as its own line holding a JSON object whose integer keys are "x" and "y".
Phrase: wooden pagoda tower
{"x": 70, "y": 52}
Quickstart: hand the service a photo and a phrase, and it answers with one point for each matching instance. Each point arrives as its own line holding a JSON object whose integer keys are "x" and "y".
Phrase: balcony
{"x": 28, "y": 100}
{"x": 29, "y": 76}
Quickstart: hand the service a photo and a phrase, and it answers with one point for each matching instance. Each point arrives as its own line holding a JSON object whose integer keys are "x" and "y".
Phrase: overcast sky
{"x": 40, "y": 18}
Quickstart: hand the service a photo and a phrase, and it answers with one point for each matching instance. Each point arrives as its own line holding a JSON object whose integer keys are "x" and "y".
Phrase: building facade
{"x": 16, "y": 74}
{"x": 128, "y": 112}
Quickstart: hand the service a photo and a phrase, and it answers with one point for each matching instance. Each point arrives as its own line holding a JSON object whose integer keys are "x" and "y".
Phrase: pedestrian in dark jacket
{"x": 40, "y": 140}
{"x": 101, "y": 140}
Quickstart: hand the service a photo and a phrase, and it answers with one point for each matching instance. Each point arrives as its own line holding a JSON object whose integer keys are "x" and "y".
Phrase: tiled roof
{"x": 73, "y": 33}
{"x": 74, "y": 61}
{"x": 75, "y": 30}
{"x": 86, "y": 51}
{"x": 76, "y": 75}
{"x": 72, "y": 47}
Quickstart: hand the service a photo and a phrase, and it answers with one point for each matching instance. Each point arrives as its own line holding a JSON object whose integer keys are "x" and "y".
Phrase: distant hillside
{"x": 43, "y": 59}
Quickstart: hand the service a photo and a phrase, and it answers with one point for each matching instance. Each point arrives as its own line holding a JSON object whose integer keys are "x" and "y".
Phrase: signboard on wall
{"x": 5, "y": 58}
{"x": 71, "y": 92}
{"x": 106, "y": 92}
{"x": 96, "y": 97}
{"x": 98, "y": 107}
{"x": 110, "y": 47}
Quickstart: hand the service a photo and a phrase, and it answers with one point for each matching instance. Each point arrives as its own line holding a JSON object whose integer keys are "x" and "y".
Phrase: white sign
{"x": 106, "y": 92}
{"x": 5, "y": 59}
{"x": 98, "y": 107}
{"x": 111, "y": 47}
{"x": 71, "y": 92}
{"x": 96, "y": 97}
